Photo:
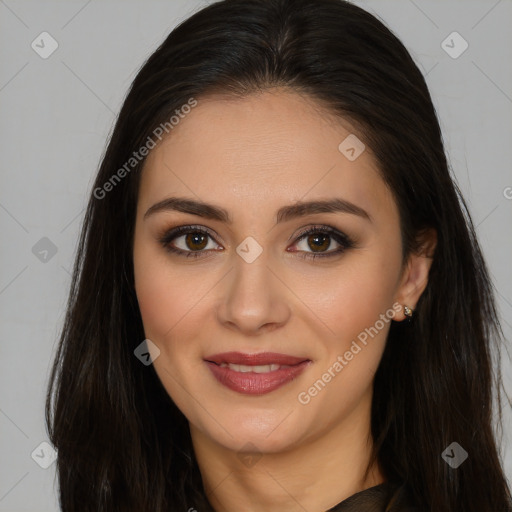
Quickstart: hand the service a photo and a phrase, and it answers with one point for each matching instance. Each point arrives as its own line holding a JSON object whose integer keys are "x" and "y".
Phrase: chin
{"x": 266, "y": 436}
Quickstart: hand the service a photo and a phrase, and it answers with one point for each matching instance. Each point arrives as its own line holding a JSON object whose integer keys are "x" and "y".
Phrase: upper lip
{"x": 262, "y": 358}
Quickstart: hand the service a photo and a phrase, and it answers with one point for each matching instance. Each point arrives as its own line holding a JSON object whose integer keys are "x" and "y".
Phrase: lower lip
{"x": 251, "y": 383}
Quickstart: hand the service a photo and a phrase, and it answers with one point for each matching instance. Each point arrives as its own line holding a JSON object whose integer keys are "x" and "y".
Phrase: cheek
{"x": 352, "y": 305}
{"x": 352, "y": 297}
{"x": 169, "y": 300}
{"x": 154, "y": 297}
{"x": 158, "y": 290}
{"x": 170, "y": 307}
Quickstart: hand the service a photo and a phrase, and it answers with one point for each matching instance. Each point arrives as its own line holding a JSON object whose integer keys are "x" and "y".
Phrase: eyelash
{"x": 342, "y": 239}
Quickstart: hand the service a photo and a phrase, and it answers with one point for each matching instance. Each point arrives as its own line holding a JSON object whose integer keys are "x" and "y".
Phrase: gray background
{"x": 56, "y": 114}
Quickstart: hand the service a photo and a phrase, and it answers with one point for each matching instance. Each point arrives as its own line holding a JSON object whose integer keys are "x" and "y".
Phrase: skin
{"x": 252, "y": 156}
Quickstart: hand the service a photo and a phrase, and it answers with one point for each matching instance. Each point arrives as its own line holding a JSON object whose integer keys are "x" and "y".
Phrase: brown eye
{"x": 319, "y": 242}
{"x": 196, "y": 241}
{"x": 188, "y": 241}
{"x": 315, "y": 242}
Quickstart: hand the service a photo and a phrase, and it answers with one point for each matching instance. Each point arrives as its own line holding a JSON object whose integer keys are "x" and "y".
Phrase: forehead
{"x": 260, "y": 151}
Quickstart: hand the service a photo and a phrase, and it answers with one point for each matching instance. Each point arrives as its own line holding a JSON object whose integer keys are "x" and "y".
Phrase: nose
{"x": 255, "y": 298}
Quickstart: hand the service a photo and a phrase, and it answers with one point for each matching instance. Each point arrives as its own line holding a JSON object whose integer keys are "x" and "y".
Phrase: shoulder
{"x": 401, "y": 501}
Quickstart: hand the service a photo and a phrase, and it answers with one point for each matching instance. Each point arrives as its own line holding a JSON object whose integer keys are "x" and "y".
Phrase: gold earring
{"x": 408, "y": 311}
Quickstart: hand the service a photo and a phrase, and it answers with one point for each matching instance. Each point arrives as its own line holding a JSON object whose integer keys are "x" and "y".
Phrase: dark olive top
{"x": 380, "y": 498}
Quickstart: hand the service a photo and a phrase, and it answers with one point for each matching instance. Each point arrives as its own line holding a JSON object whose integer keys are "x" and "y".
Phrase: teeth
{"x": 264, "y": 368}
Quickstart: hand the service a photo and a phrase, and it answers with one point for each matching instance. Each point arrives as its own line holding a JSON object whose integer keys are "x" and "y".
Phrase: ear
{"x": 414, "y": 278}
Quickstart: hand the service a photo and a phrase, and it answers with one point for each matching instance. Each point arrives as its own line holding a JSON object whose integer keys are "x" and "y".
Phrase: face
{"x": 301, "y": 297}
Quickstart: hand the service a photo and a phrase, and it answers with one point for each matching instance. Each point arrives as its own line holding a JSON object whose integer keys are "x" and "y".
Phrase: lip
{"x": 250, "y": 383}
{"x": 255, "y": 359}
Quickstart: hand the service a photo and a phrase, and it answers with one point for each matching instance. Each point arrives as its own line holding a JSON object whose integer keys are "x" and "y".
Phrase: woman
{"x": 279, "y": 301}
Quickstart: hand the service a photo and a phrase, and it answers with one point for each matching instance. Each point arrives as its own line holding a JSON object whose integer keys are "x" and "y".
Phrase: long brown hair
{"x": 122, "y": 443}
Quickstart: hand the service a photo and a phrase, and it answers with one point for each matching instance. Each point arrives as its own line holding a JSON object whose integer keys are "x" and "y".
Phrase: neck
{"x": 315, "y": 475}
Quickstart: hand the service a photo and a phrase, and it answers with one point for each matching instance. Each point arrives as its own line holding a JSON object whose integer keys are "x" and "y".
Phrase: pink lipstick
{"x": 255, "y": 374}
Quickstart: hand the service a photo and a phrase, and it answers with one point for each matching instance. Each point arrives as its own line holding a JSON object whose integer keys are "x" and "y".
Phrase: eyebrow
{"x": 284, "y": 214}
